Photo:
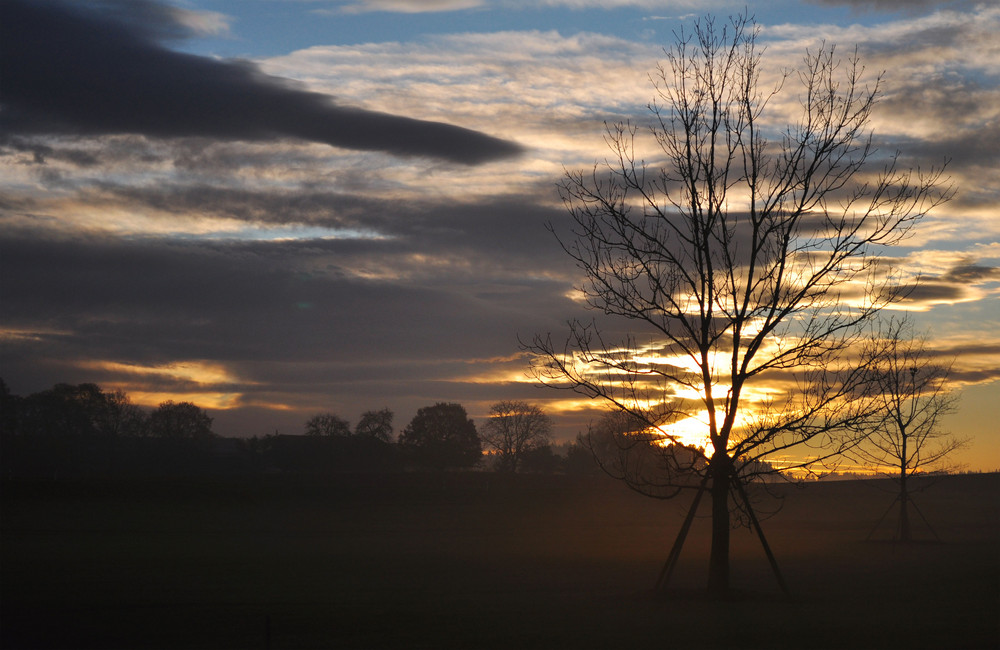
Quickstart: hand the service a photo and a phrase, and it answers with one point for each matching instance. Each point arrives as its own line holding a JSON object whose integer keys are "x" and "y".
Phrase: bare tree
{"x": 514, "y": 429}
{"x": 328, "y": 424}
{"x": 913, "y": 392}
{"x": 748, "y": 255}
{"x": 121, "y": 417}
{"x": 376, "y": 425}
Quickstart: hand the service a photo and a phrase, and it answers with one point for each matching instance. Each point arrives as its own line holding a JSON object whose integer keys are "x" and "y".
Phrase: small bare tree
{"x": 376, "y": 425}
{"x": 328, "y": 424}
{"x": 121, "y": 417}
{"x": 514, "y": 429}
{"x": 749, "y": 256}
{"x": 913, "y": 393}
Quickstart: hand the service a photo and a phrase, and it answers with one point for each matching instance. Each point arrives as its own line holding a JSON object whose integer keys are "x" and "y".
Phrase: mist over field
{"x": 481, "y": 560}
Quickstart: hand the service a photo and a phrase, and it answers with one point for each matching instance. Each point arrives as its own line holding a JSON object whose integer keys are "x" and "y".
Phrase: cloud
{"x": 894, "y": 5}
{"x": 973, "y": 362}
{"x": 153, "y": 20}
{"x": 71, "y": 71}
{"x": 430, "y": 6}
{"x": 410, "y": 6}
{"x": 970, "y": 272}
{"x": 294, "y": 322}
{"x": 940, "y": 101}
{"x": 947, "y": 278}
{"x": 538, "y": 87}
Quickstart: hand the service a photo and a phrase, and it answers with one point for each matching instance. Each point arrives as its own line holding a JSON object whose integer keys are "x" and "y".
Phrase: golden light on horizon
{"x": 206, "y": 400}
{"x": 202, "y": 383}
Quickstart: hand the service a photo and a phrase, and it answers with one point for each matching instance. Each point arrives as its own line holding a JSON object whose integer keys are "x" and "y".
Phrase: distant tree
{"x": 65, "y": 410}
{"x": 442, "y": 437}
{"x": 539, "y": 460}
{"x": 579, "y": 459}
{"x": 328, "y": 424}
{"x": 121, "y": 417}
{"x": 913, "y": 392}
{"x": 514, "y": 429}
{"x": 180, "y": 421}
{"x": 745, "y": 250}
{"x": 376, "y": 425}
{"x": 628, "y": 449}
{"x": 77, "y": 411}
{"x": 10, "y": 406}
{"x": 67, "y": 430}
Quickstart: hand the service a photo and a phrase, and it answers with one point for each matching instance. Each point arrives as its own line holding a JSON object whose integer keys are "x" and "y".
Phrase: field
{"x": 481, "y": 561}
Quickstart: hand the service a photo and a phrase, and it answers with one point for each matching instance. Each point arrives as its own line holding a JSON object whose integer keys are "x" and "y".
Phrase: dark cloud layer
{"x": 222, "y": 300}
{"x": 957, "y": 284}
{"x": 285, "y": 318}
{"x": 70, "y": 71}
{"x": 507, "y": 233}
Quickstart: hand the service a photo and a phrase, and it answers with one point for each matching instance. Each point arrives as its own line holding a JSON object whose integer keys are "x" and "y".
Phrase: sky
{"x": 276, "y": 208}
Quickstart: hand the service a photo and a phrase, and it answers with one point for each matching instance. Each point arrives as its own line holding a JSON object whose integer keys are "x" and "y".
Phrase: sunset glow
{"x": 191, "y": 381}
{"x": 198, "y": 372}
{"x": 692, "y": 432}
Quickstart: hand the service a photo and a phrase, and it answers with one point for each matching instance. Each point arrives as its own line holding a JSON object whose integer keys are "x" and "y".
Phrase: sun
{"x": 691, "y": 431}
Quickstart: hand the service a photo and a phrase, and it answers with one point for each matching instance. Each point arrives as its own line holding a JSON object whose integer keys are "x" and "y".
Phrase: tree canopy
{"x": 514, "y": 430}
{"x": 375, "y": 424}
{"x": 328, "y": 424}
{"x": 182, "y": 420}
{"x": 442, "y": 436}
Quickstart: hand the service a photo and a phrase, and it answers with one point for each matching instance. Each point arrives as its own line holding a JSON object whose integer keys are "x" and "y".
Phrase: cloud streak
{"x": 432, "y": 6}
{"x": 68, "y": 71}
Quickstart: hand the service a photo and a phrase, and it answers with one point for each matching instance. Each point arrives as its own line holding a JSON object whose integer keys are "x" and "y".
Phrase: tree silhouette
{"x": 539, "y": 460}
{"x": 180, "y": 421}
{"x": 328, "y": 424}
{"x": 65, "y": 430}
{"x": 376, "y": 425}
{"x": 914, "y": 394}
{"x": 10, "y": 405}
{"x": 628, "y": 449}
{"x": 65, "y": 410}
{"x": 515, "y": 429}
{"x": 442, "y": 437}
{"x": 121, "y": 417}
{"x": 579, "y": 459}
{"x": 747, "y": 256}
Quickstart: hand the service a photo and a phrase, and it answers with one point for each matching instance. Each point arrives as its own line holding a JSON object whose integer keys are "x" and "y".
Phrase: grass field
{"x": 481, "y": 561}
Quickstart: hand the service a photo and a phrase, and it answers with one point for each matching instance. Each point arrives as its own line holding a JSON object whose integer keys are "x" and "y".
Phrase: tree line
{"x": 82, "y": 430}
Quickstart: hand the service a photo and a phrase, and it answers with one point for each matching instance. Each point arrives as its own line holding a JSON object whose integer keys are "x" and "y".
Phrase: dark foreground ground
{"x": 475, "y": 561}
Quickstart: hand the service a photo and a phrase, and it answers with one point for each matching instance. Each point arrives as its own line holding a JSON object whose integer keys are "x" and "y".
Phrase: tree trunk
{"x": 904, "y": 512}
{"x": 718, "y": 563}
